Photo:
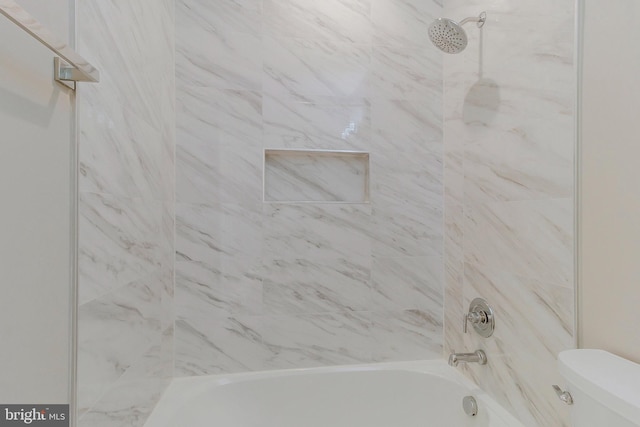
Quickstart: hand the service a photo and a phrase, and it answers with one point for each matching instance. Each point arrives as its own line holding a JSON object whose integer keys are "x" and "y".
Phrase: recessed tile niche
{"x": 316, "y": 176}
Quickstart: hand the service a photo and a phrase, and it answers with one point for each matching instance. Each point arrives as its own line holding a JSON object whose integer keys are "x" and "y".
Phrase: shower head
{"x": 449, "y": 36}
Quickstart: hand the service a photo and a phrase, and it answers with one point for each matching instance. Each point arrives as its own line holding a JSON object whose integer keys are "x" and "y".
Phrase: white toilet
{"x": 605, "y": 388}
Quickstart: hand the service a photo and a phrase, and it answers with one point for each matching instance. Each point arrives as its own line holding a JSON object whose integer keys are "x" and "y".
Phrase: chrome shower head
{"x": 449, "y": 36}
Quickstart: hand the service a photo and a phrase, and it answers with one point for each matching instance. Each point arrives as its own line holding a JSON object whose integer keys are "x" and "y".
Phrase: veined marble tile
{"x": 407, "y": 335}
{"x": 227, "y": 117}
{"x": 517, "y": 52}
{"x": 128, "y": 403}
{"x": 400, "y": 73}
{"x": 219, "y": 147}
{"x": 317, "y": 123}
{"x": 118, "y": 152}
{"x": 167, "y": 348}
{"x": 316, "y": 231}
{"x": 520, "y": 9}
{"x": 313, "y": 287}
{"x": 221, "y": 16}
{"x": 535, "y": 323}
{"x": 167, "y": 244}
{"x": 402, "y": 125}
{"x": 317, "y": 340}
{"x": 133, "y": 396}
{"x": 114, "y": 331}
{"x": 223, "y": 60}
{"x": 407, "y": 230}
{"x": 318, "y": 176}
{"x": 453, "y": 167}
{"x": 305, "y": 68}
{"x": 524, "y": 153}
{"x": 330, "y": 20}
{"x": 453, "y": 276}
{"x": 127, "y": 184}
{"x": 479, "y": 108}
{"x": 208, "y": 173}
{"x": 119, "y": 242}
{"x": 409, "y": 189}
{"x": 532, "y": 239}
{"x": 407, "y": 283}
{"x": 120, "y": 42}
{"x": 403, "y": 22}
{"x": 213, "y": 345}
{"x": 204, "y": 290}
{"x": 518, "y": 167}
{"x": 207, "y": 232}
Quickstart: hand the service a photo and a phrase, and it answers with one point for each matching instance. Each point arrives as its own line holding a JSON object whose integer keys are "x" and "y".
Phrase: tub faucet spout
{"x": 478, "y": 356}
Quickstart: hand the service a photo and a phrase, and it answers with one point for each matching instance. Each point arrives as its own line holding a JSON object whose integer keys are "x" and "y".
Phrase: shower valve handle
{"x": 482, "y": 318}
{"x": 476, "y": 318}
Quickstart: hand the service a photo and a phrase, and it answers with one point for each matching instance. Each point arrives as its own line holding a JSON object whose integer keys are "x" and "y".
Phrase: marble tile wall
{"x": 291, "y": 285}
{"x": 126, "y": 127}
{"x": 508, "y": 175}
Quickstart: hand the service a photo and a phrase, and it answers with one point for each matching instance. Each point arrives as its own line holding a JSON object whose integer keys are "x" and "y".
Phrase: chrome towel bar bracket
{"x": 69, "y": 66}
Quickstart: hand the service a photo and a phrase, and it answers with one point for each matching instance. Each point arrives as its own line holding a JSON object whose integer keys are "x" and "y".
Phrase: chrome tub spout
{"x": 478, "y": 356}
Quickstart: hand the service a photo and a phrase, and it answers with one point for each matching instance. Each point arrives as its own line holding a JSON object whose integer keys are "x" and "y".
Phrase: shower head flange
{"x": 479, "y": 20}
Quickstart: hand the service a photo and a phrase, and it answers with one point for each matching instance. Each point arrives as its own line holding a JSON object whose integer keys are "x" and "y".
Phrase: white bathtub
{"x": 407, "y": 394}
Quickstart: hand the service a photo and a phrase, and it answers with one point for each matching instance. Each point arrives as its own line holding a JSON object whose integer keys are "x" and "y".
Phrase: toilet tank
{"x": 605, "y": 388}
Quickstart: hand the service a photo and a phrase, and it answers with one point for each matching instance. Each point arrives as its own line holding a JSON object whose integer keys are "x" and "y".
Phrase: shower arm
{"x": 480, "y": 20}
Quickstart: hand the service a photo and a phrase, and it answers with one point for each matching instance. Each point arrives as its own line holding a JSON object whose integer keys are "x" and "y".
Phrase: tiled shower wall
{"x": 289, "y": 285}
{"x": 126, "y": 207}
{"x": 509, "y": 146}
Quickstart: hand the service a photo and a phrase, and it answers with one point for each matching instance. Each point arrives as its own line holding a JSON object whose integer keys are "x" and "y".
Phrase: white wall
{"x": 36, "y": 171}
{"x": 610, "y": 179}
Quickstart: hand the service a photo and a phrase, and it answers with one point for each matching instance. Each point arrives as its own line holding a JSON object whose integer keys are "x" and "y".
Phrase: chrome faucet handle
{"x": 481, "y": 316}
{"x": 563, "y": 395}
{"x": 475, "y": 317}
